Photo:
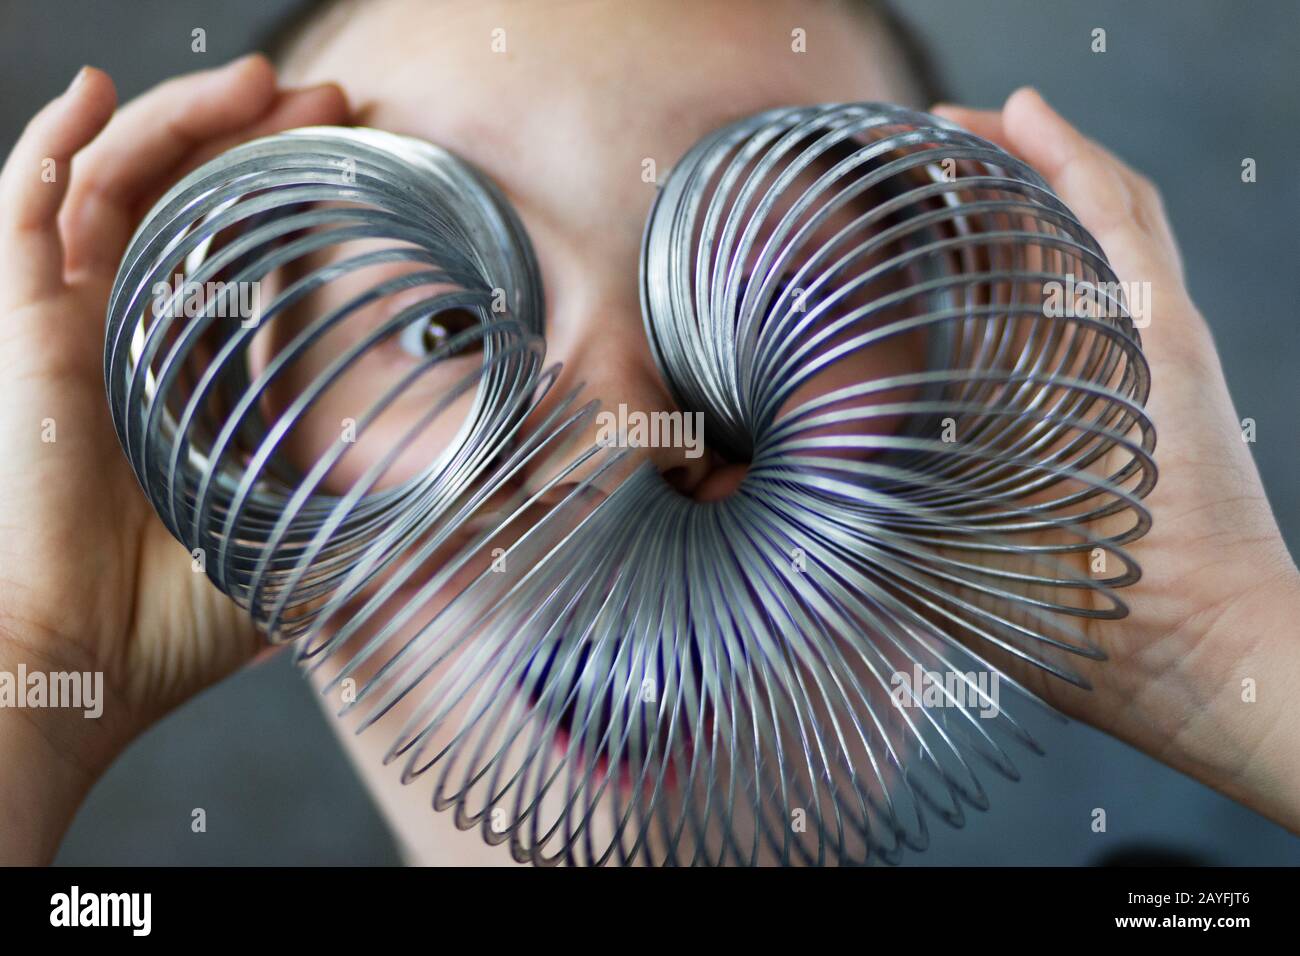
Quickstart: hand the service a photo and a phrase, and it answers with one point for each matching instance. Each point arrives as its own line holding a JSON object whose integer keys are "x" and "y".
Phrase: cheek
{"x": 894, "y": 356}
{"x": 416, "y": 426}
{"x": 408, "y": 435}
{"x": 882, "y": 356}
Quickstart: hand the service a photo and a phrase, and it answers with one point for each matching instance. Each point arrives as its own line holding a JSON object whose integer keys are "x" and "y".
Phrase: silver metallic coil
{"x": 853, "y": 296}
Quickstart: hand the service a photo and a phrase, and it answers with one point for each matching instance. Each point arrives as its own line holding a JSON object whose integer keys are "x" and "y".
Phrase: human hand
{"x": 90, "y": 579}
{"x": 1219, "y": 600}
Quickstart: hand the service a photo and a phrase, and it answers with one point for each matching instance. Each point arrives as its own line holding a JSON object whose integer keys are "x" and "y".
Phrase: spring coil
{"x": 860, "y": 301}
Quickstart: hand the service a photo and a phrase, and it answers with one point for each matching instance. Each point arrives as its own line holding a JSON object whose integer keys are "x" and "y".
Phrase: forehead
{"x": 562, "y": 103}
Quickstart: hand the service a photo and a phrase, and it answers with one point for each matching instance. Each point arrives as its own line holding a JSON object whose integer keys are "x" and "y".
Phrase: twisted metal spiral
{"x": 942, "y": 474}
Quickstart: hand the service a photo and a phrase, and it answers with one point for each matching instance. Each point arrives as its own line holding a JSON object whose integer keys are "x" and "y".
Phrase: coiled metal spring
{"x": 942, "y": 474}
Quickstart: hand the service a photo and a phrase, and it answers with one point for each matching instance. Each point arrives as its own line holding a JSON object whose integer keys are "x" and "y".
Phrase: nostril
{"x": 708, "y": 478}
{"x": 679, "y": 478}
{"x": 721, "y": 482}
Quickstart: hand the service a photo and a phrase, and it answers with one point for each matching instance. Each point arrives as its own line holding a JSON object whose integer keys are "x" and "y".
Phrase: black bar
{"x": 360, "y": 907}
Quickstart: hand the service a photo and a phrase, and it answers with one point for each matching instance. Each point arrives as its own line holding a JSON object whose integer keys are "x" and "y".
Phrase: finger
{"x": 35, "y": 179}
{"x": 323, "y": 105}
{"x": 1117, "y": 205}
{"x": 146, "y": 139}
{"x": 986, "y": 124}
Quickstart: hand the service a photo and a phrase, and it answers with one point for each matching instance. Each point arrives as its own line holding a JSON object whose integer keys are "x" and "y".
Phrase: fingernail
{"x": 1029, "y": 91}
{"x": 241, "y": 61}
{"x": 77, "y": 80}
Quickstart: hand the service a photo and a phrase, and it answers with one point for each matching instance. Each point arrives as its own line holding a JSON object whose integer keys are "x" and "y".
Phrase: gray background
{"x": 1183, "y": 93}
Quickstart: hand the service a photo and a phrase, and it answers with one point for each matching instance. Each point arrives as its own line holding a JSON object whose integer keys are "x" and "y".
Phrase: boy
{"x": 559, "y": 104}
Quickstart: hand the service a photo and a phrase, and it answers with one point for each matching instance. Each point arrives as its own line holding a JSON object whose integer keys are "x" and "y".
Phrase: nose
{"x": 604, "y": 356}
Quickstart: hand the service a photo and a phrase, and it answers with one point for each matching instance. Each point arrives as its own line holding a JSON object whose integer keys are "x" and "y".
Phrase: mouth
{"x": 591, "y": 716}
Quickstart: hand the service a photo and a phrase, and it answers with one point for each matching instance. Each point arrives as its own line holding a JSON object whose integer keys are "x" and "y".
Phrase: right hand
{"x": 90, "y": 580}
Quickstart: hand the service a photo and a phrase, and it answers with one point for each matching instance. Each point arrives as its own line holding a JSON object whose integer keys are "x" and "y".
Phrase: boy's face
{"x": 562, "y": 104}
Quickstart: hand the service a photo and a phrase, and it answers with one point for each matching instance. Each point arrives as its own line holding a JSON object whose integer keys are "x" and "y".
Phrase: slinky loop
{"x": 943, "y": 470}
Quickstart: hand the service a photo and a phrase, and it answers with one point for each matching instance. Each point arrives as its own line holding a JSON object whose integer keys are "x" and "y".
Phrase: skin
{"x": 90, "y": 579}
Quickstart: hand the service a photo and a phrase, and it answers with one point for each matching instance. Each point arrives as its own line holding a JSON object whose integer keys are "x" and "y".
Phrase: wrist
{"x": 1245, "y": 745}
{"x": 55, "y": 742}
{"x": 1266, "y": 711}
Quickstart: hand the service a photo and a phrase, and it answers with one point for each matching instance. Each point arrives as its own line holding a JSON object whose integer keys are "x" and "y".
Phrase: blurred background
{"x": 1184, "y": 92}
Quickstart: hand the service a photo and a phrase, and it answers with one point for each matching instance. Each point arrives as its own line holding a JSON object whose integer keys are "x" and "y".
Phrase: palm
{"x": 1172, "y": 669}
{"x": 90, "y": 579}
{"x": 116, "y": 592}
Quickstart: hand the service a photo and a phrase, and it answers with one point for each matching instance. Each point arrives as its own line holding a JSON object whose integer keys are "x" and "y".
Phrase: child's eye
{"x": 432, "y": 332}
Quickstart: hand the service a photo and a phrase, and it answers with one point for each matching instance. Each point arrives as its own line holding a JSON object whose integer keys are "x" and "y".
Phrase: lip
{"x": 600, "y": 773}
{"x": 500, "y": 522}
{"x": 584, "y": 741}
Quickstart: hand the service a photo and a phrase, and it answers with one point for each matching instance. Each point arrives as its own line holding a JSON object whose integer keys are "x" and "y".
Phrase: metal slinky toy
{"x": 861, "y": 301}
